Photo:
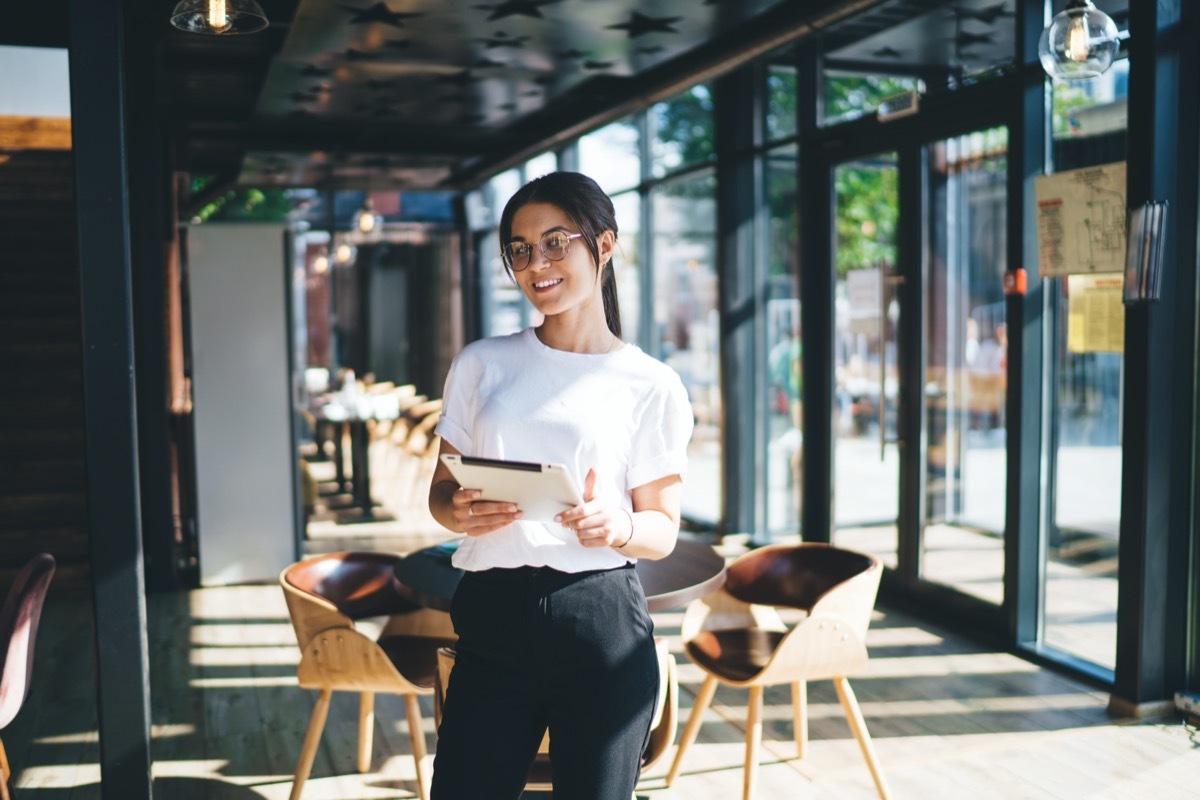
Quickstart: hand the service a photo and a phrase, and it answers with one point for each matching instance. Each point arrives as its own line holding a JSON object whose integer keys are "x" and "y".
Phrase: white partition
{"x": 245, "y": 461}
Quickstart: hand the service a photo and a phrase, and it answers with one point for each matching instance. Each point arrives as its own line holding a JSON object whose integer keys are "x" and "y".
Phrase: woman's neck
{"x": 589, "y": 336}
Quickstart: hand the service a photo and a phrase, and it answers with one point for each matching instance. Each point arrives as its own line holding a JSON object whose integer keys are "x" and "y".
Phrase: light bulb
{"x": 1080, "y": 42}
{"x": 344, "y": 253}
{"x": 1077, "y": 39}
{"x": 218, "y": 20}
{"x": 366, "y": 222}
{"x": 321, "y": 264}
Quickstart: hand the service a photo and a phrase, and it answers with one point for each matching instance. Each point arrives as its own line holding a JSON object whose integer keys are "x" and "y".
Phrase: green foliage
{"x": 243, "y": 204}
{"x": 851, "y": 96}
{"x": 683, "y": 127}
{"x": 867, "y": 211}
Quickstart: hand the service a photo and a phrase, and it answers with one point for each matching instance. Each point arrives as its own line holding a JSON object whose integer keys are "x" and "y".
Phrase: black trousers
{"x": 539, "y": 648}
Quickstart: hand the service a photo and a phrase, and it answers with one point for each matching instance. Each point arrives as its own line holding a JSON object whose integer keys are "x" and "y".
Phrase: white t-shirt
{"x": 512, "y": 397}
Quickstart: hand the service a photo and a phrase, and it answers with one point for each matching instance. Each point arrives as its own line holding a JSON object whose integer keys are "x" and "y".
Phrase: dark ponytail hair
{"x": 586, "y": 204}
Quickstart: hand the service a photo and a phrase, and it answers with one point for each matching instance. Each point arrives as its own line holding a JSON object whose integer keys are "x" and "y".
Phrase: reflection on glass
{"x": 609, "y": 156}
{"x": 866, "y": 477}
{"x": 682, "y": 131}
{"x": 686, "y": 325}
{"x": 782, "y": 413}
{"x": 849, "y": 97}
{"x": 781, "y": 101}
{"x": 966, "y": 365}
{"x": 1079, "y": 594}
{"x": 628, "y": 269}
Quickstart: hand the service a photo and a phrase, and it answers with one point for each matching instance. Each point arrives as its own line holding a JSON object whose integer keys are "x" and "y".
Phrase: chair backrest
{"x": 18, "y": 633}
{"x": 335, "y": 589}
{"x": 793, "y": 576}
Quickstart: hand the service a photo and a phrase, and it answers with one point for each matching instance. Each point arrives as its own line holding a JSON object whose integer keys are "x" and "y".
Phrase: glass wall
{"x": 686, "y": 324}
{"x": 1079, "y": 605}
{"x": 866, "y": 380}
{"x": 781, "y": 411}
{"x": 966, "y": 370}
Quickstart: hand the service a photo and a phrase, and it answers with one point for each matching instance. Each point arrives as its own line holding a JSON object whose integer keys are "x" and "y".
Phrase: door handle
{"x": 885, "y": 281}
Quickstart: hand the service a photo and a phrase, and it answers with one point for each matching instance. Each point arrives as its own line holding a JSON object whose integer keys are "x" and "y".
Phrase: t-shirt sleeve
{"x": 458, "y": 403}
{"x": 662, "y": 434}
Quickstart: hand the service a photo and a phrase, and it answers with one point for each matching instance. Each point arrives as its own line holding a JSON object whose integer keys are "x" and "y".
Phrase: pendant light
{"x": 1079, "y": 43}
{"x": 365, "y": 219}
{"x": 219, "y": 17}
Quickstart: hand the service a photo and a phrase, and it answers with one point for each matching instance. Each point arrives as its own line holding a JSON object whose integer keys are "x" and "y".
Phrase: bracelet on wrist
{"x": 625, "y": 543}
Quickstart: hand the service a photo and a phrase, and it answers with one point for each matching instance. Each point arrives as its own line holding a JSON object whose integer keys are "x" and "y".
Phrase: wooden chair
{"x": 325, "y": 595}
{"x": 18, "y": 635}
{"x": 736, "y": 636}
{"x": 662, "y": 727}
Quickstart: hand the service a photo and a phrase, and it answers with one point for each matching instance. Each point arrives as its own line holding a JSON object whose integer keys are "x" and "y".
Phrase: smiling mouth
{"x": 547, "y": 284}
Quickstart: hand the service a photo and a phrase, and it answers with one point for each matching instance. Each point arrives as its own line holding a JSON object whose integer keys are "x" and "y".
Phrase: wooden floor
{"x": 950, "y": 719}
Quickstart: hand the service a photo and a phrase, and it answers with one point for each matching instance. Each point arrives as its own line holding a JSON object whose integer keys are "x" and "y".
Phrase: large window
{"x": 966, "y": 371}
{"x": 610, "y": 157}
{"x": 1079, "y": 597}
{"x": 682, "y": 131}
{"x": 783, "y": 353}
{"x": 687, "y": 335}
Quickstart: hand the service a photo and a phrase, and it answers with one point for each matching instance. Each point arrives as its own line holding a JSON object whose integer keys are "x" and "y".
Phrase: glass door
{"x": 966, "y": 345}
{"x": 866, "y": 457}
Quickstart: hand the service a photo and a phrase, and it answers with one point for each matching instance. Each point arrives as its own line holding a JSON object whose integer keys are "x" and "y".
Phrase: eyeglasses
{"x": 554, "y": 245}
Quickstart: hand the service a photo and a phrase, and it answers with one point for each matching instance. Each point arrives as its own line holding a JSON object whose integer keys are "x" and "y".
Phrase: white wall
{"x": 245, "y": 462}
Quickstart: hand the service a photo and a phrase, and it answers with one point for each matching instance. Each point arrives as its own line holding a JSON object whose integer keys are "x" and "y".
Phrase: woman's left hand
{"x": 597, "y": 524}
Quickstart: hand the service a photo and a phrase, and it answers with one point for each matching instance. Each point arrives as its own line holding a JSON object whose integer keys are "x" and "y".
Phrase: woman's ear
{"x": 606, "y": 241}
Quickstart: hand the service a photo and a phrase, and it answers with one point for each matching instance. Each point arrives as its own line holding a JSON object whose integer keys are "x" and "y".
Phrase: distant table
{"x": 692, "y": 570}
{"x": 360, "y": 462}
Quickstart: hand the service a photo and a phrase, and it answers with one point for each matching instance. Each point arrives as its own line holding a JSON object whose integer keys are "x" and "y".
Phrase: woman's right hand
{"x": 477, "y": 517}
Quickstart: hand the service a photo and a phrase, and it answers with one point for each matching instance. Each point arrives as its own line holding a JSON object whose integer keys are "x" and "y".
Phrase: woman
{"x": 551, "y": 618}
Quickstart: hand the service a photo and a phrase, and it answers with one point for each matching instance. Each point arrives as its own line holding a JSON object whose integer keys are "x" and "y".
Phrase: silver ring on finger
{"x": 470, "y": 511}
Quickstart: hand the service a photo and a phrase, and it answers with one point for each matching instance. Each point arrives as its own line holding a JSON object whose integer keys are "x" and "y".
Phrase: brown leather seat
{"x": 18, "y": 635}
{"x": 737, "y": 637}
{"x": 325, "y": 595}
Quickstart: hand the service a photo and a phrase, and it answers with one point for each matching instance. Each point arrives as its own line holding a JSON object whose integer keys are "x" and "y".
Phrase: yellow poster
{"x": 1095, "y": 314}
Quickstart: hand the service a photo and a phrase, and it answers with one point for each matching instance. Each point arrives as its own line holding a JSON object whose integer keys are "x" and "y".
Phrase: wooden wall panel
{"x": 43, "y": 502}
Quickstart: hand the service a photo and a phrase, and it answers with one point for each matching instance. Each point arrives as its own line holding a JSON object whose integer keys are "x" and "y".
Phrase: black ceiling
{"x": 440, "y": 93}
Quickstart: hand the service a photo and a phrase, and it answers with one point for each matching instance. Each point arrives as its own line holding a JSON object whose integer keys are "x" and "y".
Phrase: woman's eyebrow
{"x": 519, "y": 238}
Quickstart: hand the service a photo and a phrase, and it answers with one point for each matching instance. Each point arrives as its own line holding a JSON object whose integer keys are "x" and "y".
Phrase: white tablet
{"x": 540, "y": 490}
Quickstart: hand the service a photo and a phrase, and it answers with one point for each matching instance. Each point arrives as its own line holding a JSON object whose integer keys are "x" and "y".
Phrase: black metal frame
{"x": 98, "y": 108}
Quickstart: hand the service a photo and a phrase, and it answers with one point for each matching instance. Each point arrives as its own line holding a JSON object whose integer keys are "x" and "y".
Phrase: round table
{"x": 692, "y": 570}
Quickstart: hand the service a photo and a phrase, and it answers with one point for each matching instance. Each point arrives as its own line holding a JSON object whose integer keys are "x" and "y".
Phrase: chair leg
{"x": 312, "y": 738}
{"x": 5, "y": 773}
{"x": 366, "y": 729}
{"x": 753, "y": 740}
{"x": 859, "y": 727}
{"x": 703, "y": 698}
{"x": 800, "y": 716}
{"x": 416, "y": 738}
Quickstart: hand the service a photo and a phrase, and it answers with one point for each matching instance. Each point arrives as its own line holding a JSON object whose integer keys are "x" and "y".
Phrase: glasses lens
{"x": 518, "y": 256}
{"x": 555, "y": 245}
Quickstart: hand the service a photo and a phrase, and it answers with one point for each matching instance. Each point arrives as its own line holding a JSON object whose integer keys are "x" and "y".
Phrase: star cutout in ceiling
{"x": 378, "y": 13}
{"x": 989, "y": 14}
{"x": 966, "y": 38}
{"x": 597, "y": 65}
{"x": 640, "y": 24}
{"x": 487, "y": 63}
{"x": 886, "y": 52}
{"x": 502, "y": 39}
{"x": 512, "y": 8}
